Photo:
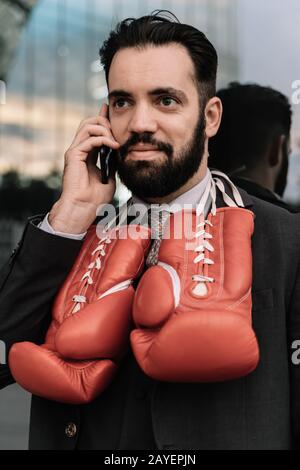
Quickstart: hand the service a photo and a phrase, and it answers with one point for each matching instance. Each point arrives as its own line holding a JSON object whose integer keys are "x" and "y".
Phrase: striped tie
{"x": 158, "y": 220}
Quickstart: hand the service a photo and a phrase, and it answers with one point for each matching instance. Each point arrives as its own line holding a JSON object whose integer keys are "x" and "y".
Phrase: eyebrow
{"x": 156, "y": 92}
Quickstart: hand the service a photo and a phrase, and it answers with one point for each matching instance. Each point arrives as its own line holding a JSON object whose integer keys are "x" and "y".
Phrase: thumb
{"x": 104, "y": 110}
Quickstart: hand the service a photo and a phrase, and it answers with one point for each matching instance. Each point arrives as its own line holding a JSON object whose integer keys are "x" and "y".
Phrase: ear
{"x": 213, "y": 115}
{"x": 275, "y": 153}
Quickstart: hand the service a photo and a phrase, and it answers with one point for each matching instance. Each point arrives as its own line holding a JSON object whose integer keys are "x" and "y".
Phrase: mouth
{"x": 137, "y": 154}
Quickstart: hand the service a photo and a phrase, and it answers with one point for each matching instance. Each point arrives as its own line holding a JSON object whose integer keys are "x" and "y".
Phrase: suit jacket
{"x": 259, "y": 411}
{"x": 262, "y": 193}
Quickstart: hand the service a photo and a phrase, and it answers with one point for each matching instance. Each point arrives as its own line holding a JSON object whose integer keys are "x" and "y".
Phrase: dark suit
{"x": 261, "y": 192}
{"x": 259, "y": 411}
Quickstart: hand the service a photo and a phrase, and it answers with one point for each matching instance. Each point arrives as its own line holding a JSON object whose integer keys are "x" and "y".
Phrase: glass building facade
{"x": 55, "y": 79}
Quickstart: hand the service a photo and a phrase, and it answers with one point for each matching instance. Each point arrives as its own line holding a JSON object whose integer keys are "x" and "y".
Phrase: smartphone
{"x": 107, "y": 160}
{"x": 103, "y": 156}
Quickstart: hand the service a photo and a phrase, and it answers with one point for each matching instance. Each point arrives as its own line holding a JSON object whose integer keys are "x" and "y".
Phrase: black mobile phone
{"x": 107, "y": 159}
{"x": 107, "y": 163}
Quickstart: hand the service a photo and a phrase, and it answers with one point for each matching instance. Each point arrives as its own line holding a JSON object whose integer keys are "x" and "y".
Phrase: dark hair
{"x": 157, "y": 30}
{"x": 252, "y": 116}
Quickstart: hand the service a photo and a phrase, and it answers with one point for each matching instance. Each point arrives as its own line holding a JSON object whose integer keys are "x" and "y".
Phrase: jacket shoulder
{"x": 268, "y": 208}
{"x": 275, "y": 222}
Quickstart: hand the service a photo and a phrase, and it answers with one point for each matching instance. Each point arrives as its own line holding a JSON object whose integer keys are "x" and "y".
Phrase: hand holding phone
{"x": 82, "y": 189}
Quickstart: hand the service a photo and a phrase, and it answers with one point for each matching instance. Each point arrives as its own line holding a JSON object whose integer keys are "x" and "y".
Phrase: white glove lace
{"x": 98, "y": 253}
{"x": 200, "y": 288}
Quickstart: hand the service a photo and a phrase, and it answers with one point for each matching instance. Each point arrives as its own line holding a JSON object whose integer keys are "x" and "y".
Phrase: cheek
{"x": 118, "y": 128}
{"x": 182, "y": 138}
{"x": 176, "y": 133}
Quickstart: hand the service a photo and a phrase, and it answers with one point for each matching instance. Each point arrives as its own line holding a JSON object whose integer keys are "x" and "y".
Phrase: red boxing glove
{"x": 91, "y": 321}
{"x": 193, "y": 310}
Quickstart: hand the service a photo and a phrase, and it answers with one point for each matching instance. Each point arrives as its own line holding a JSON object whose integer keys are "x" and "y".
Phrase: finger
{"x": 94, "y": 120}
{"x": 93, "y": 142}
{"x": 91, "y": 130}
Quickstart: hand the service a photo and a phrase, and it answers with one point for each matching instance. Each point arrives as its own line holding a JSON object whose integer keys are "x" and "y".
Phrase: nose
{"x": 142, "y": 119}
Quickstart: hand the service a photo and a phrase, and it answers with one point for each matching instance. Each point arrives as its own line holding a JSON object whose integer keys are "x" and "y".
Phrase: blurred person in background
{"x": 253, "y": 141}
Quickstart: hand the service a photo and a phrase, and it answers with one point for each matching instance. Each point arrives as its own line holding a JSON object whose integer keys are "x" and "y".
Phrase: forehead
{"x": 154, "y": 66}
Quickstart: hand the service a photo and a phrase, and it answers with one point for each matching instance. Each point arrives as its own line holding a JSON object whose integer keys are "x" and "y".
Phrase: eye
{"x": 118, "y": 103}
{"x": 168, "y": 100}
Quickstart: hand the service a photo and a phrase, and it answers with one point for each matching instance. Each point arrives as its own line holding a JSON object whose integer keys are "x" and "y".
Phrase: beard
{"x": 158, "y": 178}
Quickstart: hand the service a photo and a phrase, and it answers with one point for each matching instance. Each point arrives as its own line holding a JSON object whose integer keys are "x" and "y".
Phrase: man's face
{"x": 155, "y": 115}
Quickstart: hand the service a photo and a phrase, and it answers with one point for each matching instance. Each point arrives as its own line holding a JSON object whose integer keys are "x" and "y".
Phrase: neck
{"x": 196, "y": 178}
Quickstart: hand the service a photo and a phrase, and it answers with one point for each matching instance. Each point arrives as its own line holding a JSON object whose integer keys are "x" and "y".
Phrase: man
{"x": 162, "y": 112}
{"x": 253, "y": 141}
